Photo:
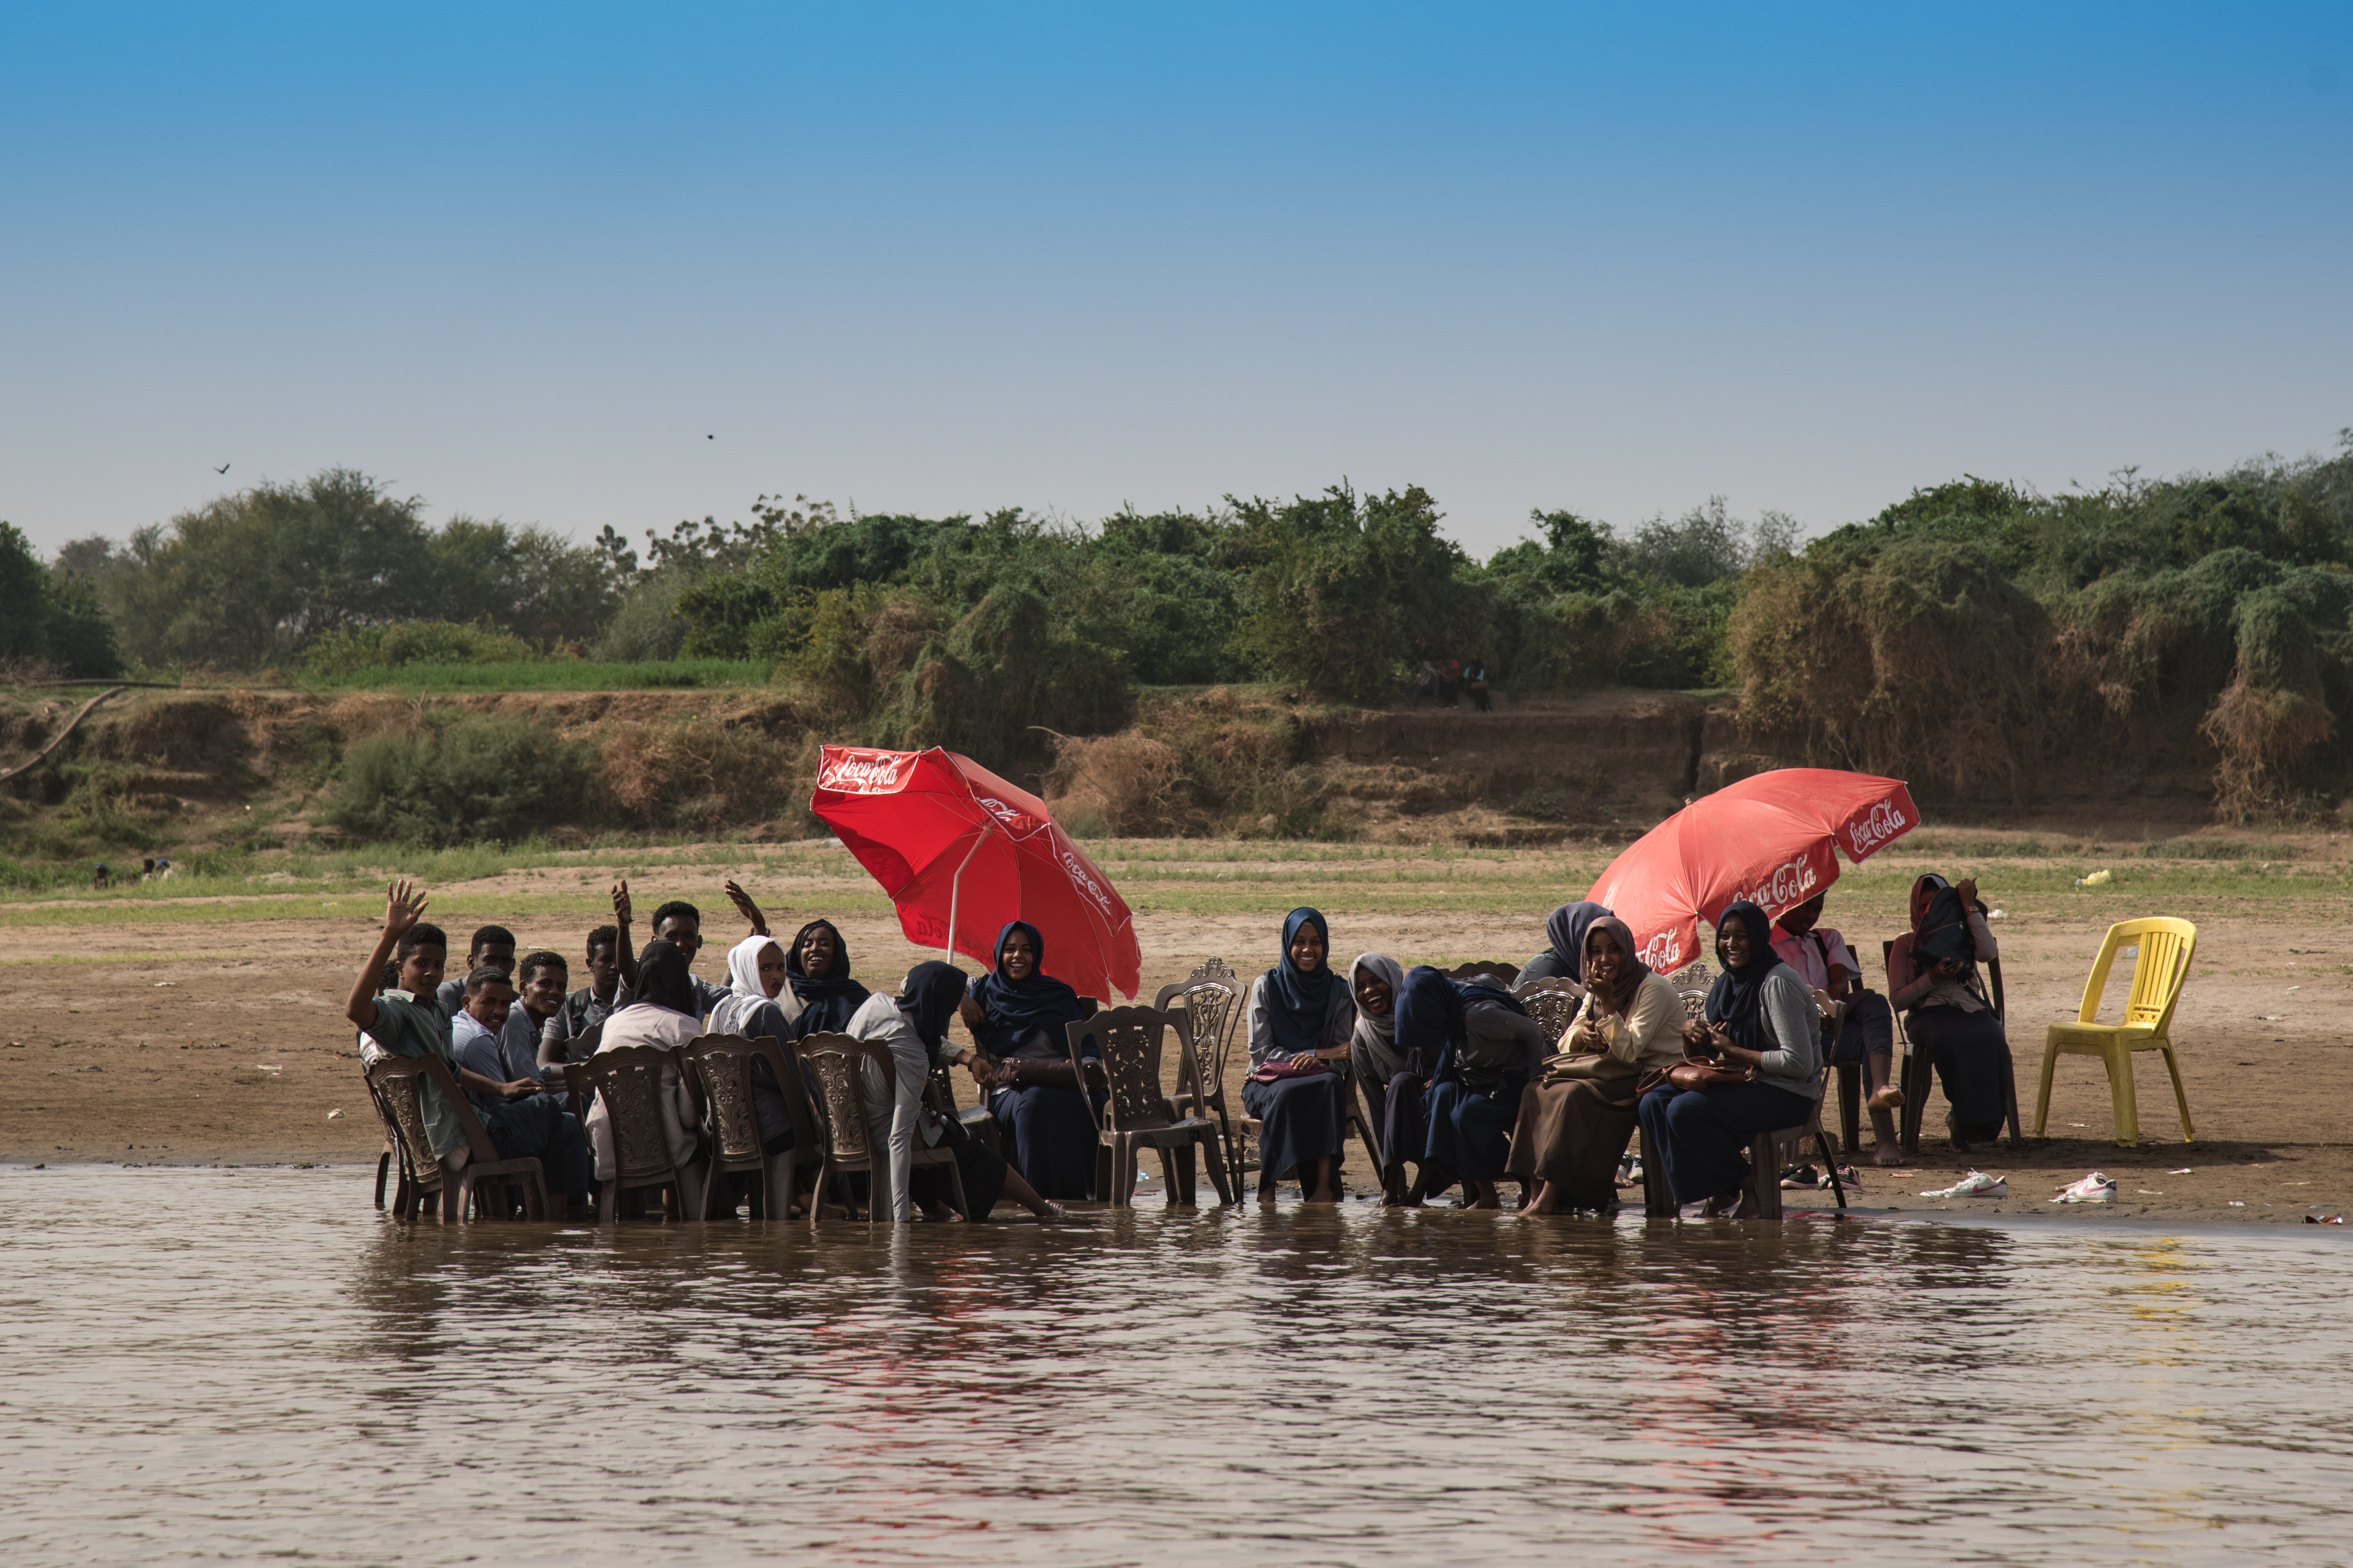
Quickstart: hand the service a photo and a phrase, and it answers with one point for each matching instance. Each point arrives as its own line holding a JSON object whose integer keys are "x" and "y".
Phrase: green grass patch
{"x": 554, "y": 675}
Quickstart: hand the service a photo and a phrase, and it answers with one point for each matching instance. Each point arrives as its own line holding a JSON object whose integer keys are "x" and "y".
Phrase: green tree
{"x": 51, "y": 616}
{"x": 252, "y": 579}
{"x": 1351, "y": 592}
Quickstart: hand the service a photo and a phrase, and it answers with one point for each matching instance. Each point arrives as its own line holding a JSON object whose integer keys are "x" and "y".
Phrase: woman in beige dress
{"x": 1575, "y": 1125}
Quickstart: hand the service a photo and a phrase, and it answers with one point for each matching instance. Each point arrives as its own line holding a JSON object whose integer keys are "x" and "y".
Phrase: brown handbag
{"x": 1695, "y": 1072}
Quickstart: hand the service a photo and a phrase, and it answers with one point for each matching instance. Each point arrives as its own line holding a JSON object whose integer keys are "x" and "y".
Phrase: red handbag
{"x": 1694, "y": 1072}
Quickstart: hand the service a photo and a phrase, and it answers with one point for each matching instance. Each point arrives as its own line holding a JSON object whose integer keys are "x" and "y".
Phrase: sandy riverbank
{"x": 159, "y": 1036}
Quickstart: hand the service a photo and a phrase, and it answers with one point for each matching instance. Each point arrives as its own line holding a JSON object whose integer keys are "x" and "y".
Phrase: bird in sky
{"x": 711, "y": 437}
{"x": 222, "y": 469}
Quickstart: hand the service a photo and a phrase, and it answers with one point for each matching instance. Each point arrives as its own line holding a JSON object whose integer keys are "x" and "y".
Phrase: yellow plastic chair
{"x": 2163, "y": 963}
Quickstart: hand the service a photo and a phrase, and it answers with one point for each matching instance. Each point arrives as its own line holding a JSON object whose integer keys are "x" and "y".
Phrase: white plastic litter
{"x": 1976, "y": 1184}
{"x": 2095, "y": 1188}
{"x": 2183, "y": 1171}
{"x": 335, "y": 1116}
{"x": 1998, "y": 915}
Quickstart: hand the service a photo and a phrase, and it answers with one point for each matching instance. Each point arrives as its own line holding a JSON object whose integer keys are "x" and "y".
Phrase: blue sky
{"x": 523, "y": 260}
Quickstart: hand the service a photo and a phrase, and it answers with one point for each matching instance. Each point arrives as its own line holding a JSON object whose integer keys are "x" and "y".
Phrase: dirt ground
{"x": 185, "y": 1042}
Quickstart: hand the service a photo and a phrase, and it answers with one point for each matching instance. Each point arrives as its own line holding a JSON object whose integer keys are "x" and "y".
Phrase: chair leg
{"x": 1213, "y": 1155}
{"x": 2009, "y": 1095}
{"x": 2120, "y": 1093}
{"x": 1916, "y": 1077}
{"x": 1849, "y": 1088}
{"x": 1838, "y": 1188}
{"x": 1657, "y": 1200}
{"x": 2180, "y": 1099}
{"x": 1177, "y": 1161}
{"x": 2042, "y": 1096}
{"x": 1765, "y": 1175}
{"x": 382, "y": 1168}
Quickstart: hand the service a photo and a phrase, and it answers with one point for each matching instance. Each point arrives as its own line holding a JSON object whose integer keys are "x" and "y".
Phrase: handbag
{"x": 1694, "y": 1072}
{"x": 1571, "y": 1067}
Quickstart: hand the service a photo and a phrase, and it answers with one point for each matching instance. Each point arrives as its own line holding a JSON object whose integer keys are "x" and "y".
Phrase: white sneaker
{"x": 1976, "y": 1184}
{"x": 2094, "y": 1188}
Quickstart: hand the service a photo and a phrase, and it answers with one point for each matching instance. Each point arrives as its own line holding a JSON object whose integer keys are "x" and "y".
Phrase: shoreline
{"x": 1798, "y": 1205}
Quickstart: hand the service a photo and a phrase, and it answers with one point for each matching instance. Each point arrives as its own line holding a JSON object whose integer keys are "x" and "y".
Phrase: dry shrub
{"x": 2262, "y": 733}
{"x": 1130, "y": 784}
{"x": 181, "y": 733}
{"x": 695, "y": 771}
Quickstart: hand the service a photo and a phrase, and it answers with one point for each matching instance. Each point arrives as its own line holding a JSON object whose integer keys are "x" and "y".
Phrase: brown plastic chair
{"x": 838, "y": 1064}
{"x": 392, "y": 1158}
{"x": 1552, "y": 1002}
{"x": 722, "y": 1068}
{"x": 1210, "y": 999}
{"x": 425, "y": 1182}
{"x": 1136, "y": 1115}
{"x": 628, "y": 1079}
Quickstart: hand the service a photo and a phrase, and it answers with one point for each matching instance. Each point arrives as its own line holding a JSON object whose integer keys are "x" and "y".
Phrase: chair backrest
{"x": 1691, "y": 983}
{"x": 1552, "y": 1002}
{"x": 1208, "y": 1009}
{"x": 1128, "y": 1040}
{"x": 2159, "y": 970}
{"x": 401, "y": 1080}
{"x": 792, "y": 1083}
{"x": 1486, "y": 968}
{"x": 628, "y": 1080}
{"x": 837, "y": 1064}
{"x": 396, "y": 1095}
{"x": 724, "y": 1063}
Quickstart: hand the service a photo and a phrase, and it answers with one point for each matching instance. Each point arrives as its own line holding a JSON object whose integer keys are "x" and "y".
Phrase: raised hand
{"x": 746, "y": 908}
{"x": 621, "y": 903}
{"x": 403, "y": 906}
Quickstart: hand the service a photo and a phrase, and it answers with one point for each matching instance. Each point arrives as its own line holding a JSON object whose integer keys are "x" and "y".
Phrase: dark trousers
{"x": 1699, "y": 1136}
{"x": 540, "y": 1128}
{"x": 1869, "y": 1029}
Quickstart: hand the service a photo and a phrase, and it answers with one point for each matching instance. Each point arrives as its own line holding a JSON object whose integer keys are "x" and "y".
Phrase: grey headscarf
{"x": 1377, "y": 1036}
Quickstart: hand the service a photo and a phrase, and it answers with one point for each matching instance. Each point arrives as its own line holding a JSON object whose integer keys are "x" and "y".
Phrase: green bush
{"x": 345, "y": 652}
{"x": 463, "y": 780}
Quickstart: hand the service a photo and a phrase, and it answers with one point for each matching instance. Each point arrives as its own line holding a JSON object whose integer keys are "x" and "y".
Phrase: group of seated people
{"x": 1459, "y": 1080}
{"x": 1462, "y": 1085}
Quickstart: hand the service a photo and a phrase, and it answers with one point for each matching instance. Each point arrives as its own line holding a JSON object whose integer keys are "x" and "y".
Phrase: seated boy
{"x": 539, "y": 997}
{"x": 522, "y": 1123}
{"x": 588, "y": 1007}
{"x": 1821, "y": 957}
{"x": 493, "y": 948}
{"x": 680, "y": 925}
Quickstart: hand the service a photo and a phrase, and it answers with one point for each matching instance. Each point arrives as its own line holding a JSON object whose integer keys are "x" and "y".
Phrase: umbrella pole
{"x": 956, "y": 886}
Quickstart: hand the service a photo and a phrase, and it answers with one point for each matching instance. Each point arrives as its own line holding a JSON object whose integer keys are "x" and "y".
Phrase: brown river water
{"x": 233, "y": 1365}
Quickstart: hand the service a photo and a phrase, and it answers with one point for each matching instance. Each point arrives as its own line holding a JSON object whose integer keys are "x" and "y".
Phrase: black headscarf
{"x": 1565, "y": 929}
{"x": 1299, "y": 1002}
{"x": 664, "y": 979}
{"x": 828, "y": 1000}
{"x": 1017, "y": 1009}
{"x": 1940, "y": 923}
{"x": 1428, "y": 1017}
{"x": 929, "y": 1000}
{"x": 1737, "y": 1000}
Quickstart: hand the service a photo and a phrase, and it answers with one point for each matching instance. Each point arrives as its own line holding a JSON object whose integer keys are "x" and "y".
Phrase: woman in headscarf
{"x": 1760, "y": 1016}
{"x": 1020, "y": 1015}
{"x": 1426, "y": 1018}
{"x": 1932, "y": 975}
{"x": 1300, "y": 1019}
{"x": 817, "y": 969}
{"x": 660, "y": 1013}
{"x": 1565, "y": 929}
{"x": 1374, "y": 981}
{"x": 914, "y": 1024}
{"x": 1574, "y": 1125}
{"x": 1492, "y": 1049}
{"x": 755, "y": 978}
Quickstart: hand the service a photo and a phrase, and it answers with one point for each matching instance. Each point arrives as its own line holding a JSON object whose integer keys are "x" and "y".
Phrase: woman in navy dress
{"x": 1300, "y": 1019}
{"x": 1017, "y": 1015}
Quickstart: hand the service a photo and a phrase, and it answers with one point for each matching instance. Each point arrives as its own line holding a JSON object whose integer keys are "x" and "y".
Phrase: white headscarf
{"x": 745, "y": 992}
{"x": 1376, "y": 1034}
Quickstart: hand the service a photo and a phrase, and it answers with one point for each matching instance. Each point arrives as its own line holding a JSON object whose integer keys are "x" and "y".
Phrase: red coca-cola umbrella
{"x": 1772, "y": 838}
{"x": 961, "y": 852}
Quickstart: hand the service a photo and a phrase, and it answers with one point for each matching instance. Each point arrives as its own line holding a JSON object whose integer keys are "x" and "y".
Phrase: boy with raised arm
{"x": 680, "y": 925}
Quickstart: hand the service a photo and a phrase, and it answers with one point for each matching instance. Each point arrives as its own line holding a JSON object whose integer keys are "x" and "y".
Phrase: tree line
{"x": 1974, "y": 628}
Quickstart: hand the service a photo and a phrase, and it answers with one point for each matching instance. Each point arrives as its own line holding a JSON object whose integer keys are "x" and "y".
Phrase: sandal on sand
{"x": 1801, "y": 1176}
